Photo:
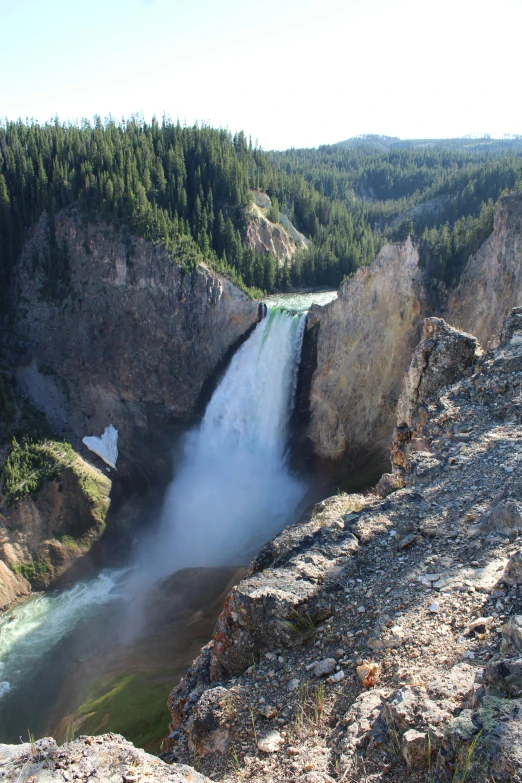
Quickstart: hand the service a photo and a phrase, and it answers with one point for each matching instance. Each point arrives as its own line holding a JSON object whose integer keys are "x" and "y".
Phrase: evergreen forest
{"x": 186, "y": 189}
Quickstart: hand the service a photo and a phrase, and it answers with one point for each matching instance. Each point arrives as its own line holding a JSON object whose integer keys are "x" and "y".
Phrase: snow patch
{"x": 105, "y": 447}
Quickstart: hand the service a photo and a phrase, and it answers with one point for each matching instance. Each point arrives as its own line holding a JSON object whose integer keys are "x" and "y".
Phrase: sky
{"x": 290, "y": 73}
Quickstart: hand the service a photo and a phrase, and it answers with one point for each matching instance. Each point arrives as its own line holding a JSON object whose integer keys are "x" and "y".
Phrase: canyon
{"x": 315, "y": 648}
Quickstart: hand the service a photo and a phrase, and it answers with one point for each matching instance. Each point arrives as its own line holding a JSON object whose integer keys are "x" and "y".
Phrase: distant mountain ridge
{"x": 485, "y": 144}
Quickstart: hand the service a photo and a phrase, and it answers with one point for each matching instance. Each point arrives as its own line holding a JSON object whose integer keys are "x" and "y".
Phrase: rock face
{"x": 280, "y": 239}
{"x": 108, "y": 757}
{"x": 491, "y": 283}
{"x": 443, "y": 355}
{"x": 364, "y": 344}
{"x": 13, "y": 587}
{"x": 127, "y": 337}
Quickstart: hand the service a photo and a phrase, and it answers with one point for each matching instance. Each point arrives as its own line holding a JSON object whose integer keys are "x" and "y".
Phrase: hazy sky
{"x": 291, "y": 73}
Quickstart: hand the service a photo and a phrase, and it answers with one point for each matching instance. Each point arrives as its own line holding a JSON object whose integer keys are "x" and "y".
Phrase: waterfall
{"x": 234, "y": 491}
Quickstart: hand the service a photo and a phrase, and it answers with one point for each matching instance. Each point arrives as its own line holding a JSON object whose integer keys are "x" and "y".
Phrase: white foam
{"x": 234, "y": 490}
{"x": 33, "y": 628}
{"x": 105, "y": 447}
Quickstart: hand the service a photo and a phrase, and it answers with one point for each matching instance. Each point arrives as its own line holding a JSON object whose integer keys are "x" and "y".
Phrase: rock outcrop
{"x": 385, "y": 632}
{"x": 46, "y": 532}
{"x": 13, "y": 587}
{"x": 280, "y": 239}
{"x": 364, "y": 343}
{"x": 108, "y": 757}
{"x": 125, "y": 336}
{"x": 491, "y": 283}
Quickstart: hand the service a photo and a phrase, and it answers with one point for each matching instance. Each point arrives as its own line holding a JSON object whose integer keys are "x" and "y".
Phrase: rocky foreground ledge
{"x": 382, "y": 639}
{"x": 108, "y": 758}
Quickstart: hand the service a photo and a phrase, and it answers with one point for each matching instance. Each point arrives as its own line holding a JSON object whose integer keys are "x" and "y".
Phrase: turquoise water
{"x": 300, "y": 302}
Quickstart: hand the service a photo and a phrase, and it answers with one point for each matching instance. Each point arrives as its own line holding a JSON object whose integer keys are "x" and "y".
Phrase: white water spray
{"x": 233, "y": 491}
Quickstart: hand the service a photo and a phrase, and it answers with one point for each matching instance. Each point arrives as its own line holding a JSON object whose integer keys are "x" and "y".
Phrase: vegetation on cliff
{"x": 185, "y": 188}
{"x": 33, "y": 456}
{"x": 30, "y": 462}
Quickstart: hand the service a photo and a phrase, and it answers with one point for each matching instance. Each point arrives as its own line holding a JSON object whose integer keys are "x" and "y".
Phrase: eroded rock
{"x": 512, "y": 636}
{"x": 107, "y": 757}
{"x": 513, "y": 572}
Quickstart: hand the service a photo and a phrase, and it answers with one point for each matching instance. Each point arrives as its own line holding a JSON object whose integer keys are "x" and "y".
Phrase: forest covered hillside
{"x": 187, "y": 189}
{"x": 468, "y": 143}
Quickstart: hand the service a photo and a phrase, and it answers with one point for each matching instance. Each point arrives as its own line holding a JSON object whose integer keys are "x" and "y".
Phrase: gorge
{"x": 233, "y": 419}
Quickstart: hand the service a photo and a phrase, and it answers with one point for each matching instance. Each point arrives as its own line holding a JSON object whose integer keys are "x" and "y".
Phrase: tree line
{"x": 186, "y": 188}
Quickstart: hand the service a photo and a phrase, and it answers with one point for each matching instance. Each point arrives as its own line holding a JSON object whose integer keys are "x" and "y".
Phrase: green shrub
{"x": 29, "y": 462}
{"x": 35, "y": 571}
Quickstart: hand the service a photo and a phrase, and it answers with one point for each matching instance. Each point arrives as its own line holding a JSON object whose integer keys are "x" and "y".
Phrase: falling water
{"x": 234, "y": 490}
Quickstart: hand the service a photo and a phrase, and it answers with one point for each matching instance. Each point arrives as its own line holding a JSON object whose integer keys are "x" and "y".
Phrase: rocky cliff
{"x": 491, "y": 283}
{"x": 104, "y": 329}
{"x": 383, "y": 635}
{"x": 124, "y": 336}
{"x": 280, "y": 239}
{"x": 364, "y": 341}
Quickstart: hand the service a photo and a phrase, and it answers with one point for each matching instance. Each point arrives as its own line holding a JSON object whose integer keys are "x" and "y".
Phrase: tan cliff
{"x": 364, "y": 341}
{"x": 491, "y": 283}
{"x": 280, "y": 239}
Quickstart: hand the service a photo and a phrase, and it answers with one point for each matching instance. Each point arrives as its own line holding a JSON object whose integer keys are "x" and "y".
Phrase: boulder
{"x": 505, "y": 517}
{"x": 270, "y": 742}
{"x": 414, "y": 748}
{"x": 388, "y": 483}
{"x": 513, "y": 572}
{"x": 209, "y": 727}
{"x": 512, "y": 636}
{"x": 323, "y": 668}
{"x": 505, "y": 674}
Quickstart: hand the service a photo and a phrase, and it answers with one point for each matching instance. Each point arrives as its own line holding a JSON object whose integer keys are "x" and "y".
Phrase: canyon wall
{"x": 364, "y": 343}
{"x": 122, "y": 335}
{"x": 491, "y": 283}
{"x": 364, "y": 339}
{"x": 104, "y": 328}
